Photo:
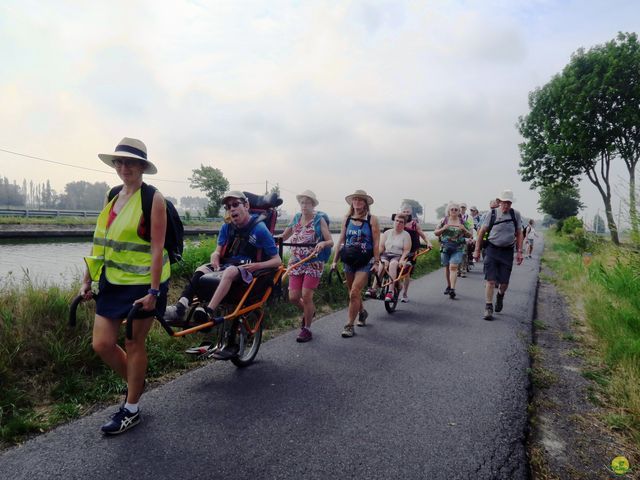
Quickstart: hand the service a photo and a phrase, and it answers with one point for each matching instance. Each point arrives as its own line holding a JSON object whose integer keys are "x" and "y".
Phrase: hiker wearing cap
{"x": 358, "y": 244}
{"x": 452, "y": 233}
{"x": 309, "y": 227}
{"x": 129, "y": 270}
{"x": 467, "y": 257}
{"x": 416, "y": 233}
{"x": 237, "y": 259}
{"x": 503, "y": 227}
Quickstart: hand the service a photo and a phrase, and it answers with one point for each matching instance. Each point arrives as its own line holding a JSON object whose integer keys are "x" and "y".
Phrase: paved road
{"x": 430, "y": 392}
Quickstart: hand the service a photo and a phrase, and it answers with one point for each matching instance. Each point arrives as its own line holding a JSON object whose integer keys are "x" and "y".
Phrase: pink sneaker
{"x": 304, "y": 335}
{"x": 388, "y": 297}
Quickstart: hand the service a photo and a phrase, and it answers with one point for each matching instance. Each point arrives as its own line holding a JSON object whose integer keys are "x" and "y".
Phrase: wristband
{"x": 154, "y": 291}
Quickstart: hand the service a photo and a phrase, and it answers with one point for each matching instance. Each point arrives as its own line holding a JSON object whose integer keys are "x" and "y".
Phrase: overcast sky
{"x": 405, "y": 99}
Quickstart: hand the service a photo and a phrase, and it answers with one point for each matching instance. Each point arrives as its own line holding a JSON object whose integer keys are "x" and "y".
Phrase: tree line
{"x": 582, "y": 121}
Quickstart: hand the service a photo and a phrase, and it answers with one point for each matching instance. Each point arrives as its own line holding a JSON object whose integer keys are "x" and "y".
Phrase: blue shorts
{"x": 451, "y": 259}
{"x": 349, "y": 269}
{"x": 115, "y": 301}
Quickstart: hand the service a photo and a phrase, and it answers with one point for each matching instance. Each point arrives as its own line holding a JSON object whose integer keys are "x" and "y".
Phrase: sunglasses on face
{"x": 454, "y": 209}
{"x": 235, "y": 204}
{"x": 119, "y": 162}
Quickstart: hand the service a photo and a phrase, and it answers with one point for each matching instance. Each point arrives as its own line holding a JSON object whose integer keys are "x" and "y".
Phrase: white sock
{"x": 132, "y": 407}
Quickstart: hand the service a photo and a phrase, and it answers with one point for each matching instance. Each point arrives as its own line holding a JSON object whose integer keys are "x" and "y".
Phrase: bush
{"x": 570, "y": 225}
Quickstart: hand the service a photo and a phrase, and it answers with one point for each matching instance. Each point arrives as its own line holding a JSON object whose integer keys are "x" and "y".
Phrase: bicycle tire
{"x": 390, "y": 307}
{"x": 249, "y": 338}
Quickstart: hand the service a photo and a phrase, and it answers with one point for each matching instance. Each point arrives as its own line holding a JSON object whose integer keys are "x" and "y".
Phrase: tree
{"x": 83, "y": 195}
{"x": 416, "y": 208}
{"x": 171, "y": 199}
{"x": 560, "y": 201}
{"x": 10, "y": 194}
{"x": 194, "y": 203}
{"x": 211, "y": 181}
{"x": 441, "y": 211}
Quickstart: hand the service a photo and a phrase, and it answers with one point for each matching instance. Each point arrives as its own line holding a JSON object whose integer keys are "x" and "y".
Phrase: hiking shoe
{"x": 499, "y": 300}
{"x": 488, "y": 312}
{"x": 371, "y": 293}
{"x": 452, "y": 293}
{"x": 404, "y": 299}
{"x": 304, "y": 335}
{"x": 202, "y": 349}
{"x": 225, "y": 353}
{"x": 121, "y": 421}
{"x": 348, "y": 331}
{"x": 447, "y": 290}
{"x": 388, "y": 297}
{"x": 362, "y": 318}
{"x": 202, "y": 315}
{"x": 174, "y": 314}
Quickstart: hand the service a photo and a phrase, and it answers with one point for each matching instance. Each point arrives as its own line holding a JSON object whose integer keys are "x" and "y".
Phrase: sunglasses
{"x": 454, "y": 209}
{"x": 119, "y": 162}
{"x": 230, "y": 205}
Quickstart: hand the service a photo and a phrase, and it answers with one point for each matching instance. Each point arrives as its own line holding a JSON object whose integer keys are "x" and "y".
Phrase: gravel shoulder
{"x": 568, "y": 439}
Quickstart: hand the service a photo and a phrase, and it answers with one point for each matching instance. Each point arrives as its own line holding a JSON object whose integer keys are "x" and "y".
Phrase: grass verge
{"x": 602, "y": 282}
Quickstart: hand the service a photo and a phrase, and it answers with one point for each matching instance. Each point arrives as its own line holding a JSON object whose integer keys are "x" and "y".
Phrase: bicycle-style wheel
{"x": 248, "y": 337}
{"x": 390, "y": 305}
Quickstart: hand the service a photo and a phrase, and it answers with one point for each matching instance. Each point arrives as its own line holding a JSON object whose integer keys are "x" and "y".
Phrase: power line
{"x": 78, "y": 166}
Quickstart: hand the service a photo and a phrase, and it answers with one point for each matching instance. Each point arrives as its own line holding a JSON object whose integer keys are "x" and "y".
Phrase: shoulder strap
{"x": 296, "y": 218}
{"x": 492, "y": 221}
{"x": 513, "y": 217}
{"x": 147, "y": 192}
{"x": 113, "y": 192}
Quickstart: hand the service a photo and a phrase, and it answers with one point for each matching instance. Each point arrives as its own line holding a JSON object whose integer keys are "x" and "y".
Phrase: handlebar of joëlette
{"x": 73, "y": 309}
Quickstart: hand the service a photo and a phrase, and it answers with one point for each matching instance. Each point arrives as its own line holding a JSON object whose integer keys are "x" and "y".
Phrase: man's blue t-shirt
{"x": 260, "y": 238}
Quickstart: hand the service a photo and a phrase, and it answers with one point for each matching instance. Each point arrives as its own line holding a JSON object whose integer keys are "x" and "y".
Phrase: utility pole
{"x": 266, "y": 187}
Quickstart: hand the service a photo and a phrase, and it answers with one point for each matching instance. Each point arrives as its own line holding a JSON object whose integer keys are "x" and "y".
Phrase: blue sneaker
{"x": 121, "y": 421}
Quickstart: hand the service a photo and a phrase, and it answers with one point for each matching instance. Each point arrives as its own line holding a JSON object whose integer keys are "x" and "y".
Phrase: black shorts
{"x": 498, "y": 263}
{"x": 115, "y": 301}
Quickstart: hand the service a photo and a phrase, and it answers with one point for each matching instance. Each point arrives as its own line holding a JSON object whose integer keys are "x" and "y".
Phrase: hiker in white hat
{"x": 310, "y": 228}
{"x": 131, "y": 266}
{"x": 504, "y": 227}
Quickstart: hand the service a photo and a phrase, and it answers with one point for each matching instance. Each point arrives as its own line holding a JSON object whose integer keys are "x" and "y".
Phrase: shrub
{"x": 570, "y": 224}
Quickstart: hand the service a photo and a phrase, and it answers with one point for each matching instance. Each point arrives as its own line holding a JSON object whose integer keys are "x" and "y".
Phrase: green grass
{"x": 607, "y": 291}
{"x": 49, "y": 373}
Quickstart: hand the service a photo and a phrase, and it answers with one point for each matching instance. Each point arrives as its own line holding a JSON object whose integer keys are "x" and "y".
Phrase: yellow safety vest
{"x": 119, "y": 248}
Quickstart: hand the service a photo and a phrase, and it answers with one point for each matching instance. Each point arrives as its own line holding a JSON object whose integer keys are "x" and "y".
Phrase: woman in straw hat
{"x": 307, "y": 227}
{"x": 358, "y": 244}
{"x": 129, "y": 270}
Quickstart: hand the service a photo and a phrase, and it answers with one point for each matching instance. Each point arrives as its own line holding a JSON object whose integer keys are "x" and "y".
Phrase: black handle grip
{"x": 132, "y": 313}
{"x": 74, "y": 309}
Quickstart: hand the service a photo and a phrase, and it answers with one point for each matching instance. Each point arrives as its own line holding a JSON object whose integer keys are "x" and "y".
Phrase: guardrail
{"x": 30, "y": 213}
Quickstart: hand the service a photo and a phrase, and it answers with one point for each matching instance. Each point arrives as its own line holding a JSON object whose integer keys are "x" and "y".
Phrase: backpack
{"x": 174, "y": 236}
{"x": 324, "y": 255}
{"x": 493, "y": 222}
{"x": 353, "y": 255}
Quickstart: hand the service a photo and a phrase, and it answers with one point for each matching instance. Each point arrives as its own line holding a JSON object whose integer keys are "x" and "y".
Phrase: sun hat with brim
{"x": 234, "y": 194}
{"x": 506, "y": 196}
{"x": 129, "y": 148}
{"x": 310, "y": 195}
{"x": 360, "y": 194}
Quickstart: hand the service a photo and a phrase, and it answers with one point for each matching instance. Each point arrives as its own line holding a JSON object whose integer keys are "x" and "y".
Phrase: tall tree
{"x": 567, "y": 135}
{"x": 83, "y": 195}
{"x": 211, "y": 181}
{"x": 441, "y": 211}
{"x": 416, "y": 208}
{"x": 560, "y": 201}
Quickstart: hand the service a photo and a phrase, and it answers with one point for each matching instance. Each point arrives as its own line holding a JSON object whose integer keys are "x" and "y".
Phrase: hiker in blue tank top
{"x": 307, "y": 227}
{"x": 358, "y": 244}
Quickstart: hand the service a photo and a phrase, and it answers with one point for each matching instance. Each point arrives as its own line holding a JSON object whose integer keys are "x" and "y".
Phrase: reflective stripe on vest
{"x": 127, "y": 257}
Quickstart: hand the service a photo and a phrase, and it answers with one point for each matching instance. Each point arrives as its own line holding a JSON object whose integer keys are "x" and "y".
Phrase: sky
{"x": 404, "y": 99}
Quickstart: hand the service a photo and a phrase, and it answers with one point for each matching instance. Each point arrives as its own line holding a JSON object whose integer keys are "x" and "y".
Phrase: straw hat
{"x": 360, "y": 194}
{"x": 129, "y": 148}
{"x": 310, "y": 195}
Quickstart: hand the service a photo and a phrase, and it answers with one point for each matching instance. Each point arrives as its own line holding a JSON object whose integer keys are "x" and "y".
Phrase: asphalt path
{"x": 432, "y": 391}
